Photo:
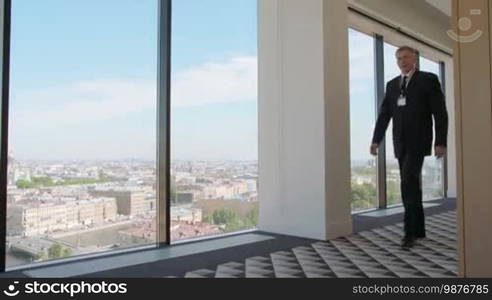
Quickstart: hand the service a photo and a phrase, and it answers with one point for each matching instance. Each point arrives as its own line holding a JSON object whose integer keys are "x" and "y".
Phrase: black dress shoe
{"x": 408, "y": 243}
{"x": 409, "y": 237}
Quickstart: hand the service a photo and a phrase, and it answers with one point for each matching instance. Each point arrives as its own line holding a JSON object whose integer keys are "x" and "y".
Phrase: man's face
{"x": 406, "y": 61}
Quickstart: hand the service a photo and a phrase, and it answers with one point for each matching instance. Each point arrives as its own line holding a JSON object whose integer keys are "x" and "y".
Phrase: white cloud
{"x": 95, "y": 118}
{"x": 82, "y": 102}
{"x": 232, "y": 81}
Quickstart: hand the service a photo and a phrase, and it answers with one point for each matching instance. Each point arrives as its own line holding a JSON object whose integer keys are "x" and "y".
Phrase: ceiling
{"x": 443, "y": 5}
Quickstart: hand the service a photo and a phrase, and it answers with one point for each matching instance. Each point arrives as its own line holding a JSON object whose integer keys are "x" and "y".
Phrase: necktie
{"x": 404, "y": 86}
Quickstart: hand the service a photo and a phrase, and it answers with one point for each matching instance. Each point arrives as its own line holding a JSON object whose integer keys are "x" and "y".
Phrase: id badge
{"x": 402, "y": 101}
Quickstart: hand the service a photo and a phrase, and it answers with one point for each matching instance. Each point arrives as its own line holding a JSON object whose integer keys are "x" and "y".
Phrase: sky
{"x": 83, "y": 79}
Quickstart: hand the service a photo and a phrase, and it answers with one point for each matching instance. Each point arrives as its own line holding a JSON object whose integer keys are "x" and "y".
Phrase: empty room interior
{"x": 233, "y": 139}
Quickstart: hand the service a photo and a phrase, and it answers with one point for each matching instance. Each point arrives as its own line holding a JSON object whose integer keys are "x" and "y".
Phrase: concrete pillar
{"x": 304, "y": 155}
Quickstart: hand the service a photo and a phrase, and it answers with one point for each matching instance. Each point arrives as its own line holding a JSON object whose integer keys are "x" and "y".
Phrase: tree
{"x": 67, "y": 252}
{"x": 23, "y": 184}
{"x": 363, "y": 196}
{"x": 55, "y": 251}
{"x": 40, "y": 256}
{"x": 252, "y": 217}
{"x": 207, "y": 219}
{"x": 224, "y": 216}
{"x": 48, "y": 182}
{"x": 230, "y": 218}
{"x": 42, "y": 181}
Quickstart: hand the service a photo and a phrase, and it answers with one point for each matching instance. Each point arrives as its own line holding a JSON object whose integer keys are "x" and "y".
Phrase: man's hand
{"x": 374, "y": 149}
{"x": 440, "y": 151}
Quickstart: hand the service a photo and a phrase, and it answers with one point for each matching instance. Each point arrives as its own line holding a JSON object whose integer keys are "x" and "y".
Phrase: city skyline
{"x": 58, "y": 209}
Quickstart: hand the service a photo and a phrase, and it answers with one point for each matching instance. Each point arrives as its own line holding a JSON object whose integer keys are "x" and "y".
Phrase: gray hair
{"x": 407, "y": 48}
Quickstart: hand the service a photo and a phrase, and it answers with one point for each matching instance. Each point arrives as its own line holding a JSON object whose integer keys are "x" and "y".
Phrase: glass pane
{"x": 214, "y": 133}
{"x": 432, "y": 172}
{"x": 362, "y": 116}
{"x": 81, "y": 169}
{"x": 393, "y": 192}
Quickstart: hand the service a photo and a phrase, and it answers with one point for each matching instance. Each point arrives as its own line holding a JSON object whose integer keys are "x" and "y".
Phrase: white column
{"x": 473, "y": 66}
{"x": 450, "y": 103}
{"x": 304, "y": 173}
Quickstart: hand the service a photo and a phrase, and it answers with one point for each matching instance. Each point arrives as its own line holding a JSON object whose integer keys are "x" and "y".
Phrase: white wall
{"x": 473, "y": 69}
{"x": 451, "y": 105}
{"x": 304, "y": 175}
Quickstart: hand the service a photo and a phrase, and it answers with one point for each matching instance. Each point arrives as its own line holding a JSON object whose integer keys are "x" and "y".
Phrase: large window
{"x": 82, "y": 132}
{"x": 362, "y": 116}
{"x": 214, "y": 128}
{"x": 393, "y": 192}
{"x": 432, "y": 172}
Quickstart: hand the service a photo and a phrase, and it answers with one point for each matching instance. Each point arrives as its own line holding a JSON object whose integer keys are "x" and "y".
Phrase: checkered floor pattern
{"x": 370, "y": 254}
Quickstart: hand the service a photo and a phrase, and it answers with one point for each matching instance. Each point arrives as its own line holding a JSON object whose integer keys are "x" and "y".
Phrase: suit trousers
{"x": 411, "y": 191}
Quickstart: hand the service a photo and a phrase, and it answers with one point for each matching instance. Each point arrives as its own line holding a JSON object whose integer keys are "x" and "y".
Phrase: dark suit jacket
{"x": 412, "y": 124}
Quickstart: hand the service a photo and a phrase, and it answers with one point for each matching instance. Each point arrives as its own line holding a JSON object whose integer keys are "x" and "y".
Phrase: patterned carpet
{"x": 371, "y": 254}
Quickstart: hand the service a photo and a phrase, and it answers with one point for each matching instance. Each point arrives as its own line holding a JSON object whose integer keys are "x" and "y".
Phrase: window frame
{"x": 164, "y": 11}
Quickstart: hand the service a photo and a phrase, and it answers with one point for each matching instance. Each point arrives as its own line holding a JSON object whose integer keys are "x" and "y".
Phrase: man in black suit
{"x": 411, "y": 100}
